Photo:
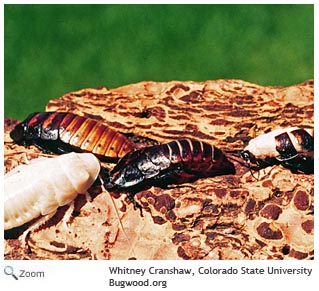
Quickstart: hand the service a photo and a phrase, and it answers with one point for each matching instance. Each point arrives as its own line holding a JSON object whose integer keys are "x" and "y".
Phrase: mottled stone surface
{"x": 225, "y": 217}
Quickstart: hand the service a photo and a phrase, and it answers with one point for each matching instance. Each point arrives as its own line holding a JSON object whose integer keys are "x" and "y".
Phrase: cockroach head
{"x": 248, "y": 157}
{"x": 23, "y": 132}
{"x": 18, "y": 133}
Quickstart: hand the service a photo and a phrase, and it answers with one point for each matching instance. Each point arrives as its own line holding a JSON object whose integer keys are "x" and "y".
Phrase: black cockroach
{"x": 62, "y": 132}
{"x": 176, "y": 162}
{"x": 292, "y": 147}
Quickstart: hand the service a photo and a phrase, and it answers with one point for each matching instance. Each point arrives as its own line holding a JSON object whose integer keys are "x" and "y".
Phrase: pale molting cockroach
{"x": 39, "y": 188}
{"x": 176, "y": 162}
{"x": 292, "y": 147}
{"x": 62, "y": 132}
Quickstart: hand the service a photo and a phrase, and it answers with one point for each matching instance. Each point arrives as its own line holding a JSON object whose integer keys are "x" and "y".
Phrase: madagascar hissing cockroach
{"x": 62, "y": 132}
{"x": 40, "y": 187}
{"x": 292, "y": 147}
{"x": 177, "y": 162}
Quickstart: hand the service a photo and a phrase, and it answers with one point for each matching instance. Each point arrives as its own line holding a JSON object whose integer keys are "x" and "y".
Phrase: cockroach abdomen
{"x": 62, "y": 132}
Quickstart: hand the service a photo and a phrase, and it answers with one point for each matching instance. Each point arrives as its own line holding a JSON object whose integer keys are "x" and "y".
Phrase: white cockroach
{"x": 293, "y": 147}
{"x": 39, "y": 188}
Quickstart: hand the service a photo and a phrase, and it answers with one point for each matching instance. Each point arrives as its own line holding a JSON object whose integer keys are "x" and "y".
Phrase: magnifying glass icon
{"x": 8, "y": 270}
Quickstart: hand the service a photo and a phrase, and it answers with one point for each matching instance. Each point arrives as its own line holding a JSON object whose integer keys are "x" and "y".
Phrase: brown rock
{"x": 226, "y": 217}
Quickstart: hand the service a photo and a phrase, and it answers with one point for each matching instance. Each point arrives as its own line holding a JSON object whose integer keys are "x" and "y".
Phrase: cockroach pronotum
{"x": 40, "y": 187}
{"x": 177, "y": 162}
{"x": 292, "y": 147}
{"x": 62, "y": 132}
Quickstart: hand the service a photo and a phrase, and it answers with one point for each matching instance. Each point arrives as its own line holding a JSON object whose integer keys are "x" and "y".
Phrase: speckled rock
{"x": 225, "y": 217}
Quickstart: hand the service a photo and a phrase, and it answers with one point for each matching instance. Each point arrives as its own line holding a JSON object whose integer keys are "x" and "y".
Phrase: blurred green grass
{"x": 54, "y": 49}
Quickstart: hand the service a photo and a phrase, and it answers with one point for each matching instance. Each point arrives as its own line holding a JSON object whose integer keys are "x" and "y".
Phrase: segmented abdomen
{"x": 294, "y": 141}
{"x": 292, "y": 147}
{"x": 64, "y": 132}
{"x": 282, "y": 143}
{"x": 177, "y": 162}
{"x": 194, "y": 156}
{"x": 40, "y": 187}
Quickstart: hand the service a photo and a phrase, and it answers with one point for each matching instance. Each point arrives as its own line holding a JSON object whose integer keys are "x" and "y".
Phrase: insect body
{"x": 45, "y": 184}
{"x": 292, "y": 147}
{"x": 62, "y": 132}
{"x": 177, "y": 162}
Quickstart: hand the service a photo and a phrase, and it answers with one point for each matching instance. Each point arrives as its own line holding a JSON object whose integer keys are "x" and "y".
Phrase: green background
{"x": 51, "y": 50}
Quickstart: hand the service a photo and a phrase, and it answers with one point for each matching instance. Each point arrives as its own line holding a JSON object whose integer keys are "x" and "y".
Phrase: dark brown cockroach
{"x": 177, "y": 162}
{"x": 62, "y": 132}
{"x": 292, "y": 147}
